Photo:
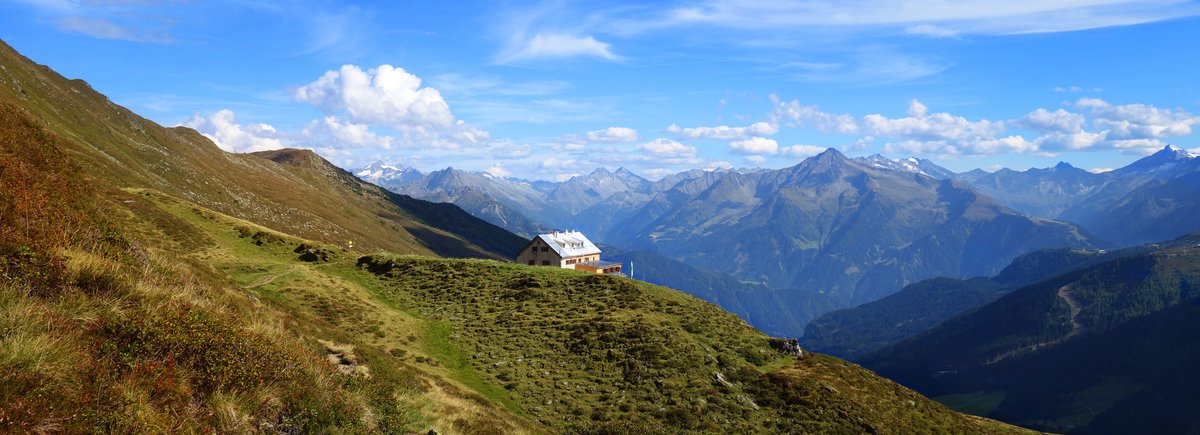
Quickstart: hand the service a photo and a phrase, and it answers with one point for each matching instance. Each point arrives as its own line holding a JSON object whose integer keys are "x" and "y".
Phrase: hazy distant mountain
{"x": 383, "y": 174}
{"x": 1155, "y": 198}
{"x": 910, "y": 164}
{"x": 1151, "y": 199}
{"x": 501, "y": 201}
{"x": 593, "y": 202}
{"x": 1039, "y": 192}
{"x": 1112, "y": 342}
{"x": 838, "y": 227}
{"x": 579, "y": 193}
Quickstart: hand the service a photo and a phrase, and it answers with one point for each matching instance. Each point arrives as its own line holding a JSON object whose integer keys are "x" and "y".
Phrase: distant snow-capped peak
{"x": 908, "y": 164}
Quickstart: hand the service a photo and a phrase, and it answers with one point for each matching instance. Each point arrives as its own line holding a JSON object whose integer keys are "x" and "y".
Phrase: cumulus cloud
{"x": 497, "y": 171}
{"x": 332, "y": 132}
{"x": 971, "y": 146}
{"x": 390, "y": 97}
{"x": 755, "y": 160}
{"x": 1059, "y": 120}
{"x": 920, "y": 124}
{"x": 610, "y": 134}
{"x": 668, "y": 147}
{"x": 1070, "y": 141}
{"x": 555, "y": 45}
{"x": 1138, "y": 121}
{"x": 556, "y": 163}
{"x": 1133, "y": 128}
{"x": 222, "y": 128}
{"x": 797, "y": 114}
{"x": 723, "y": 132}
{"x": 754, "y": 146}
{"x": 801, "y": 151}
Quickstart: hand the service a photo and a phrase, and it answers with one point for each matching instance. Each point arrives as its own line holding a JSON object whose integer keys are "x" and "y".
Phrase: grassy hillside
{"x": 290, "y": 190}
{"x": 115, "y": 315}
{"x": 760, "y": 305}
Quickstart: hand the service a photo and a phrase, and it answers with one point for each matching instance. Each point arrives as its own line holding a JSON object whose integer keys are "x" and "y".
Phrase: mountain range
{"x": 1148, "y": 200}
{"x": 150, "y": 282}
{"x": 746, "y": 224}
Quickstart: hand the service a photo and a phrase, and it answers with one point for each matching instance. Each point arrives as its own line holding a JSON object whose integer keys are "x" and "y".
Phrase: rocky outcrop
{"x": 786, "y": 346}
{"x": 312, "y": 253}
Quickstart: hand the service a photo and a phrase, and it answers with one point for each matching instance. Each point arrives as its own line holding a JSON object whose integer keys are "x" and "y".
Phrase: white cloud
{"x": 1059, "y": 120}
{"x": 667, "y": 147}
{"x": 718, "y": 165}
{"x": 1100, "y": 170}
{"x": 657, "y": 173}
{"x": 555, "y": 45}
{"x": 755, "y": 160}
{"x": 1073, "y": 89}
{"x": 1138, "y": 121}
{"x": 505, "y": 150}
{"x": 801, "y": 151}
{"x": 453, "y": 83}
{"x": 497, "y": 171}
{"x": 102, "y": 28}
{"x": 566, "y": 176}
{"x": 754, "y": 145}
{"x": 970, "y": 146}
{"x": 390, "y": 97}
{"x": 968, "y": 16}
{"x": 1078, "y": 140}
{"x": 930, "y": 30}
{"x": 221, "y": 127}
{"x": 556, "y": 163}
{"x": 798, "y": 114}
{"x": 861, "y": 144}
{"x": 723, "y": 132}
{"x": 922, "y": 125}
{"x": 332, "y": 132}
{"x": 1143, "y": 147}
{"x": 610, "y": 134}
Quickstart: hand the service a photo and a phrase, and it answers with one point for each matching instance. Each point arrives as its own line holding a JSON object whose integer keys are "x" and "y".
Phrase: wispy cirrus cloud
{"x": 553, "y": 46}
{"x": 927, "y": 18}
{"x": 148, "y": 21}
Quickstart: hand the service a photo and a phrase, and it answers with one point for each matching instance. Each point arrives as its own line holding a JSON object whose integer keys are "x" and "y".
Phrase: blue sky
{"x": 546, "y": 90}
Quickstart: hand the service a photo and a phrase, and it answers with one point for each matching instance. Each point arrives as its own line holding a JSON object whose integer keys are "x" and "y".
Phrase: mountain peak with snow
{"x": 380, "y": 172}
{"x": 908, "y": 164}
